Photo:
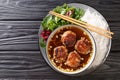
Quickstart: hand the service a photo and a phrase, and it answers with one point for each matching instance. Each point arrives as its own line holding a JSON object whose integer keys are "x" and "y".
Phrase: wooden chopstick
{"x": 89, "y": 25}
{"x": 77, "y": 22}
{"x": 95, "y": 27}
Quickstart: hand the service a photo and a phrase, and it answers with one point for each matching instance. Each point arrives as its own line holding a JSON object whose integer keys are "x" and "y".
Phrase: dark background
{"x": 20, "y": 56}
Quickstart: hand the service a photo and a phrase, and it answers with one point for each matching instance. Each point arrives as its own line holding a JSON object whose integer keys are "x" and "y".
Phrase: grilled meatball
{"x": 83, "y": 46}
{"x": 73, "y": 59}
{"x": 68, "y": 38}
{"x": 60, "y": 54}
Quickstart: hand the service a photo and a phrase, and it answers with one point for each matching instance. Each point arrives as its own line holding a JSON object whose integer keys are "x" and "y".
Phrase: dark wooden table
{"x": 20, "y": 56}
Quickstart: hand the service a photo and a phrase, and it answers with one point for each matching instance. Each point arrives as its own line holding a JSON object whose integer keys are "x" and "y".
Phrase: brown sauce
{"x": 56, "y": 41}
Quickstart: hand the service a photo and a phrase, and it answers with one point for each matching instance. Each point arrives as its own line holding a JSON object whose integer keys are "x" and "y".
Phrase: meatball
{"x": 68, "y": 38}
{"x": 60, "y": 54}
{"x": 83, "y": 46}
{"x": 73, "y": 59}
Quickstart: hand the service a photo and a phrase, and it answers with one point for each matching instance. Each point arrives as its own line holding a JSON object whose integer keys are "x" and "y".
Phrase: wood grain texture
{"x": 37, "y": 9}
{"x": 31, "y": 65}
{"x": 19, "y": 35}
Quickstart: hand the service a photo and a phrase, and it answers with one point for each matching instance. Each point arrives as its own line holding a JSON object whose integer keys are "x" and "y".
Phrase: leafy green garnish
{"x": 42, "y": 43}
{"x": 51, "y": 22}
{"x": 78, "y": 13}
{"x": 48, "y": 23}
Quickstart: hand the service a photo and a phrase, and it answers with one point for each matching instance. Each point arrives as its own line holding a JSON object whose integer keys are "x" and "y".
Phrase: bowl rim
{"x": 90, "y": 60}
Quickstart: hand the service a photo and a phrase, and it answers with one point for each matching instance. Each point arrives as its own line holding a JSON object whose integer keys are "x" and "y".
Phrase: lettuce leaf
{"x": 51, "y": 22}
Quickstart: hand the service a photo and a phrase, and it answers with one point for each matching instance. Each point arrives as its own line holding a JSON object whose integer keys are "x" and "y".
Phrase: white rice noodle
{"x": 96, "y": 19}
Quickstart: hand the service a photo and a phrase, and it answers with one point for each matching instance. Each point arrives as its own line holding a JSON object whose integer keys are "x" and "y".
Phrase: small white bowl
{"x": 80, "y": 71}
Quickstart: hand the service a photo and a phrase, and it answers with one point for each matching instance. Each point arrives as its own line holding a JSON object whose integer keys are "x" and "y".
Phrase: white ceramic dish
{"x": 79, "y": 71}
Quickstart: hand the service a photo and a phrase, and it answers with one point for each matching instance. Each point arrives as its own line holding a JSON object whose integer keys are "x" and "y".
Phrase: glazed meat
{"x": 68, "y": 38}
{"x": 83, "y": 46}
{"x": 60, "y": 54}
{"x": 73, "y": 59}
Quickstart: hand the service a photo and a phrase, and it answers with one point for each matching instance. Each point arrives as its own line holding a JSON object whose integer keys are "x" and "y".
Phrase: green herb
{"x": 48, "y": 23}
{"x": 78, "y": 13}
{"x": 51, "y": 22}
{"x": 42, "y": 43}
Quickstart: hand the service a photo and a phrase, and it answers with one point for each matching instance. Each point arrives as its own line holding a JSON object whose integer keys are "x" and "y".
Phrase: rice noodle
{"x": 96, "y": 19}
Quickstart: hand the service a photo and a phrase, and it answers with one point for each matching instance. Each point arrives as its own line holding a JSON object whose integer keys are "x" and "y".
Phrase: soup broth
{"x": 56, "y": 41}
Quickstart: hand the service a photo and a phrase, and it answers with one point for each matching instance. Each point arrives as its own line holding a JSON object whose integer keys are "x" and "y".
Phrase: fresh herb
{"x": 51, "y": 22}
{"x": 78, "y": 13}
{"x": 42, "y": 43}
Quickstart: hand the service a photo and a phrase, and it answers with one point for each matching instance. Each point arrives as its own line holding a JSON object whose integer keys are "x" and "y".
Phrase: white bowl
{"x": 81, "y": 70}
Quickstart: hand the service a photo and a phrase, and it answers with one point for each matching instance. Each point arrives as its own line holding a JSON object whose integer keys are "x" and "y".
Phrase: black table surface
{"x": 20, "y": 56}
